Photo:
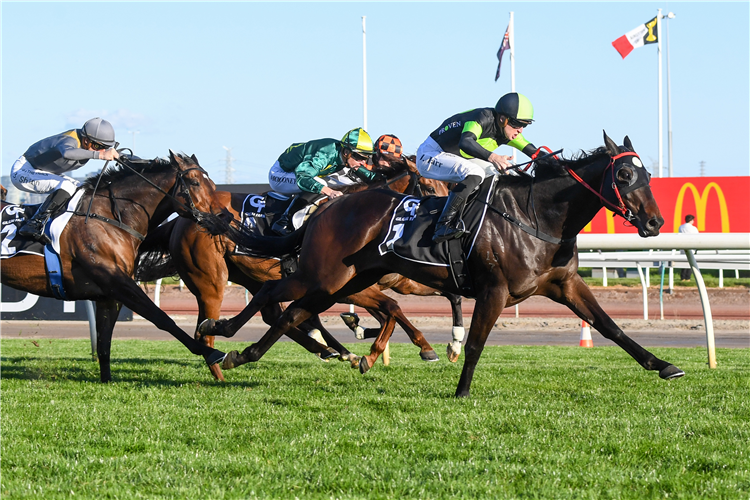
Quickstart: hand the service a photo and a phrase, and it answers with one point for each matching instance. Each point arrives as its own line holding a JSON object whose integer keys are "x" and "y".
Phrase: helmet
{"x": 389, "y": 145}
{"x": 358, "y": 140}
{"x": 516, "y": 107}
{"x": 100, "y": 131}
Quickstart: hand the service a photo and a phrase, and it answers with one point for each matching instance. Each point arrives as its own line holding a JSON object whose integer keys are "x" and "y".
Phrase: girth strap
{"x": 535, "y": 232}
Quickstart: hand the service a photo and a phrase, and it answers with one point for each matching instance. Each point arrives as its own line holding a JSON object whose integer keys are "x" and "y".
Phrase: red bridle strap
{"x": 622, "y": 210}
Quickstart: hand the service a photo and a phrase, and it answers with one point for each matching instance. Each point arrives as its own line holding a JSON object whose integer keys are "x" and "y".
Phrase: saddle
{"x": 413, "y": 223}
{"x": 12, "y": 217}
{"x": 260, "y": 211}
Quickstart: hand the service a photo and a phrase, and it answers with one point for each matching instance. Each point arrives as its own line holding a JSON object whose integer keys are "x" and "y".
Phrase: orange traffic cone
{"x": 585, "y": 335}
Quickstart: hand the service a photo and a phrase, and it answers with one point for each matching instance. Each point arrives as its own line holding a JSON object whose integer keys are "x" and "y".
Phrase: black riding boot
{"x": 450, "y": 225}
{"x": 283, "y": 225}
{"x": 34, "y": 227}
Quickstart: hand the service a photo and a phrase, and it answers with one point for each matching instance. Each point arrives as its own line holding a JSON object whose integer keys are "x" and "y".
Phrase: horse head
{"x": 196, "y": 196}
{"x": 626, "y": 186}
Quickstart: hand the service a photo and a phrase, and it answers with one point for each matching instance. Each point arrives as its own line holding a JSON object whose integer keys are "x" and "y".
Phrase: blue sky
{"x": 256, "y": 77}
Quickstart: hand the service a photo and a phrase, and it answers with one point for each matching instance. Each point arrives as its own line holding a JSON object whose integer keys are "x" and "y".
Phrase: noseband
{"x": 636, "y": 182}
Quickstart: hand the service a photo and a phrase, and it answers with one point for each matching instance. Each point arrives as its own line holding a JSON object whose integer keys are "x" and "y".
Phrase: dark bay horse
{"x": 526, "y": 246}
{"x": 97, "y": 255}
{"x": 205, "y": 263}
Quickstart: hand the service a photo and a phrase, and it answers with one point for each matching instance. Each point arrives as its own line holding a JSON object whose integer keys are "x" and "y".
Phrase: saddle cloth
{"x": 13, "y": 217}
{"x": 259, "y": 211}
{"x": 413, "y": 224}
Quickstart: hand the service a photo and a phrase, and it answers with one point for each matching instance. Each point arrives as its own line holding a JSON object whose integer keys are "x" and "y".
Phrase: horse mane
{"x": 552, "y": 168}
{"x": 118, "y": 172}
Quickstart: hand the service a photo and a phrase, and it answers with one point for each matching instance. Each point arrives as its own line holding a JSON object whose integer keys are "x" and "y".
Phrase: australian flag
{"x": 503, "y": 47}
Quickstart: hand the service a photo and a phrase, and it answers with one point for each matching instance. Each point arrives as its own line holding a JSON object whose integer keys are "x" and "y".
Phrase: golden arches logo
{"x": 700, "y": 206}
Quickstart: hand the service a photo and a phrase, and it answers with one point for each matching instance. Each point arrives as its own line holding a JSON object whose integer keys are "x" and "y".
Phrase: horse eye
{"x": 625, "y": 174}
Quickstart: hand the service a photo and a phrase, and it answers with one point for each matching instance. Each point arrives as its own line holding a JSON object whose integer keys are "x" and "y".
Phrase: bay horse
{"x": 206, "y": 263}
{"x": 98, "y": 247}
{"x": 526, "y": 246}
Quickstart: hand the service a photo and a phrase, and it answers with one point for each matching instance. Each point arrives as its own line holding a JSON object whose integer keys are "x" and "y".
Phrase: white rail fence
{"x": 730, "y": 251}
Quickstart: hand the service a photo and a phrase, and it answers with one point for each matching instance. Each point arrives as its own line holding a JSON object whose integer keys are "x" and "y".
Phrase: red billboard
{"x": 719, "y": 204}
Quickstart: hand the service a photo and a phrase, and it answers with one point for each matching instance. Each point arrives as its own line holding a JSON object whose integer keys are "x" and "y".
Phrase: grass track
{"x": 542, "y": 422}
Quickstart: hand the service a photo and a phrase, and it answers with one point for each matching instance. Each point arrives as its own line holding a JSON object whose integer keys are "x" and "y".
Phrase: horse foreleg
{"x": 373, "y": 299}
{"x": 579, "y": 298}
{"x": 315, "y": 323}
{"x": 275, "y": 291}
{"x": 378, "y": 346}
{"x": 295, "y": 314}
{"x": 458, "y": 332}
{"x": 125, "y": 290}
{"x": 489, "y": 305}
{"x": 106, "y": 316}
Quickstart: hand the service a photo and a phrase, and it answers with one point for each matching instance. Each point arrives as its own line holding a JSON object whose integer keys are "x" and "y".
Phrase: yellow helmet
{"x": 358, "y": 140}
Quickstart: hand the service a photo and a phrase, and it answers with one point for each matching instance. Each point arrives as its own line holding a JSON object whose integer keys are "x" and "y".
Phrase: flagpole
{"x": 512, "y": 40}
{"x": 364, "y": 74}
{"x": 669, "y": 102}
{"x": 661, "y": 118}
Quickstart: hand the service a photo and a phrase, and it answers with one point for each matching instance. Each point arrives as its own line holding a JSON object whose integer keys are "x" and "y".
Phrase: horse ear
{"x": 612, "y": 148}
{"x": 410, "y": 165}
{"x": 194, "y": 159}
{"x": 626, "y": 142}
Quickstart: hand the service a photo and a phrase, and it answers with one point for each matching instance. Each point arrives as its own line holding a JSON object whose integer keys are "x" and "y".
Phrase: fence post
{"x": 707, "y": 317}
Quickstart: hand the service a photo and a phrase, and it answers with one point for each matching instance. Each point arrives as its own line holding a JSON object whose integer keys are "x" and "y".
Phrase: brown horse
{"x": 206, "y": 263}
{"x": 3, "y": 192}
{"x": 98, "y": 248}
{"x": 526, "y": 246}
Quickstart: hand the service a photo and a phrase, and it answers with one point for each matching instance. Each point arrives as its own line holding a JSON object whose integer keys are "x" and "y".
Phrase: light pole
{"x": 133, "y": 132}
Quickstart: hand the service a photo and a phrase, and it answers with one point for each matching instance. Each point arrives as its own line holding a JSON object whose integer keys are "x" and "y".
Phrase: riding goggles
{"x": 518, "y": 124}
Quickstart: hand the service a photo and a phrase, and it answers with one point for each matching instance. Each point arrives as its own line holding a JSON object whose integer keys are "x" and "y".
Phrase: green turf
{"x": 542, "y": 422}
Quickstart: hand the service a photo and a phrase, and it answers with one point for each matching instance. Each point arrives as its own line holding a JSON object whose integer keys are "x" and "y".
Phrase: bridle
{"x": 635, "y": 183}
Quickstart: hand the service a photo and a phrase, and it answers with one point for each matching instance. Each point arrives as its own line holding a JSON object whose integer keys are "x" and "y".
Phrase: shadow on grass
{"x": 51, "y": 368}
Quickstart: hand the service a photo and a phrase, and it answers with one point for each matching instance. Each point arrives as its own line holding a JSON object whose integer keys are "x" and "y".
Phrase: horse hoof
{"x": 671, "y": 372}
{"x": 205, "y": 328}
{"x": 215, "y": 357}
{"x": 354, "y": 360}
{"x": 230, "y": 360}
{"x": 452, "y": 355}
{"x": 364, "y": 366}
{"x": 430, "y": 355}
{"x": 328, "y": 354}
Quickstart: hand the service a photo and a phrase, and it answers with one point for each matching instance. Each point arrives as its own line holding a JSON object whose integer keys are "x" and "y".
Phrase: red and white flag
{"x": 642, "y": 35}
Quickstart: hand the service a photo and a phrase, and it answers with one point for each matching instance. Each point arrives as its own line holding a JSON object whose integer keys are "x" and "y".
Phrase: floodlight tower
{"x": 228, "y": 177}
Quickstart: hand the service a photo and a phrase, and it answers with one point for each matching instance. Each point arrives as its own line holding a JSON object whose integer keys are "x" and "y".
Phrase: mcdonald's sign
{"x": 719, "y": 204}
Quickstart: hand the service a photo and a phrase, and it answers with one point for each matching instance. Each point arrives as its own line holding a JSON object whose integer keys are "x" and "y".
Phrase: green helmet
{"x": 516, "y": 107}
{"x": 358, "y": 140}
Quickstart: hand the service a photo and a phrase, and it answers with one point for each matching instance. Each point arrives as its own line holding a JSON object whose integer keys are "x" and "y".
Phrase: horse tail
{"x": 154, "y": 260}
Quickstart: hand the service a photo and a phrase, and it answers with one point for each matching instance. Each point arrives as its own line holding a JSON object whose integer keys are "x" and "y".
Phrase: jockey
{"x": 388, "y": 149}
{"x": 42, "y": 169}
{"x": 461, "y": 150}
{"x": 318, "y": 166}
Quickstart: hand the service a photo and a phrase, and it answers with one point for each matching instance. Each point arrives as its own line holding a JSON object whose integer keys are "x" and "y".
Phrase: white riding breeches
{"x": 434, "y": 163}
{"x": 286, "y": 182}
{"x": 29, "y": 179}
